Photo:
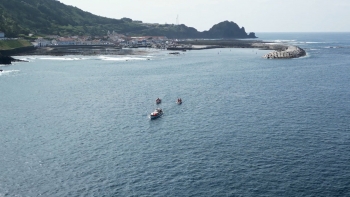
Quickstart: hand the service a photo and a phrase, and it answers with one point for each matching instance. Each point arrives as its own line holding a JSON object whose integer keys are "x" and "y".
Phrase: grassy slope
{"x": 51, "y": 17}
{"x": 12, "y": 44}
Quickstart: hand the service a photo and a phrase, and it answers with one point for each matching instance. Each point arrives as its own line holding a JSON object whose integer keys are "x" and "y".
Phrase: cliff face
{"x": 228, "y": 29}
{"x": 224, "y": 30}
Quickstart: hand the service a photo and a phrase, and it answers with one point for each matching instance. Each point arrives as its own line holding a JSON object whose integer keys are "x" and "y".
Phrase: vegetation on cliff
{"x": 227, "y": 29}
{"x": 51, "y": 17}
{"x": 13, "y": 44}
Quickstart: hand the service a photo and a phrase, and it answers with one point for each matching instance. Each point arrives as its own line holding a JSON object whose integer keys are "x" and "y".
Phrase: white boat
{"x": 156, "y": 114}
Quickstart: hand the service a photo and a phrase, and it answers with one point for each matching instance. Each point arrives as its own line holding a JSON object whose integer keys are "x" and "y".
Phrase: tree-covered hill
{"x": 51, "y": 17}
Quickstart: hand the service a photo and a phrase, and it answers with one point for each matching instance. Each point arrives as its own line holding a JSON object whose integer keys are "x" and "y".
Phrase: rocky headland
{"x": 8, "y": 60}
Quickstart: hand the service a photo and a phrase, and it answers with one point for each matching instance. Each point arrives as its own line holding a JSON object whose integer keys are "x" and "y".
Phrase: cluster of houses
{"x": 112, "y": 38}
{"x": 2, "y": 35}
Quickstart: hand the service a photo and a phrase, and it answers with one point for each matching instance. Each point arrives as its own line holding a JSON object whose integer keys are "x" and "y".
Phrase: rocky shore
{"x": 84, "y": 50}
{"x": 8, "y": 59}
{"x": 287, "y": 53}
{"x": 279, "y": 50}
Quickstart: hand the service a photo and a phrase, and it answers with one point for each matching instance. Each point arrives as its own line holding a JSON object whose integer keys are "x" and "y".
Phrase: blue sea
{"x": 248, "y": 126}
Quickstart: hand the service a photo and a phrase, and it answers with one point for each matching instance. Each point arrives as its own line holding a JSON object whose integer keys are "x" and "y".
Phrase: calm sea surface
{"x": 79, "y": 125}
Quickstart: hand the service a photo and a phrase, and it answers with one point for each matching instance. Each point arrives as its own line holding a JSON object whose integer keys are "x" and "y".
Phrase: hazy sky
{"x": 254, "y": 15}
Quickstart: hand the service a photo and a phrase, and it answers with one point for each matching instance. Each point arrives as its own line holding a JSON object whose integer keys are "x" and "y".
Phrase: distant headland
{"x": 70, "y": 30}
{"x": 39, "y": 18}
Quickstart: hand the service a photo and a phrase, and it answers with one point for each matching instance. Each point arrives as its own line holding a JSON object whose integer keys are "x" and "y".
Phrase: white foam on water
{"x": 107, "y": 58}
{"x": 330, "y": 47}
{"x": 308, "y": 55}
{"x": 280, "y": 41}
{"x": 314, "y": 42}
{"x": 271, "y": 43}
{"x": 62, "y": 58}
{"x": 7, "y": 72}
{"x": 59, "y": 58}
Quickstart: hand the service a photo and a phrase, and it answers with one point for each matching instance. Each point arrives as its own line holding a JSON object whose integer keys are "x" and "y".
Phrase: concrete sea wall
{"x": 289, "y": 52}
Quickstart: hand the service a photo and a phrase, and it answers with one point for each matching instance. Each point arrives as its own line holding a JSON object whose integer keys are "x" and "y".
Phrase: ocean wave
{"x": 332, "y": 47}
{"x": 105, "y": 58}
{"x": 314, "y": 42}
{"x": 60, "y": 58}
{"x": 308, "y": 55}
{"x": 7, "y": 72}
{"x": 295, "y": 41}
{"x": 271, "y": 43}
{"x": 281, "y": 41}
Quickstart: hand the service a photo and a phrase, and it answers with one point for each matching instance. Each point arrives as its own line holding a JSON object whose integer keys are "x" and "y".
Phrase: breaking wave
{"x": 110, "y": 58}
{"x": 8, "y": 72}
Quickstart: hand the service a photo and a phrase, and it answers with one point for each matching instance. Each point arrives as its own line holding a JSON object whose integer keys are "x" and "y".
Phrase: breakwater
{"x": 280, "y": 51}
{"x": 287, "y": 53}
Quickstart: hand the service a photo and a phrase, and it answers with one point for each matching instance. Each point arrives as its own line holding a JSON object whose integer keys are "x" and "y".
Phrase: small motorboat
{"x": 156, "y": 114}
{"x": 158, "y": 101}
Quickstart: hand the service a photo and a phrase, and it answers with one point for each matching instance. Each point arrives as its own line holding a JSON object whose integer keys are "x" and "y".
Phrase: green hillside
{"x": 51, "y": 17}
{"x": 13, "y": 44}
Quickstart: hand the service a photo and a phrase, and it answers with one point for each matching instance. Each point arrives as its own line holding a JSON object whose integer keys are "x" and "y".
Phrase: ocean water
{"x": 79, "y": 125}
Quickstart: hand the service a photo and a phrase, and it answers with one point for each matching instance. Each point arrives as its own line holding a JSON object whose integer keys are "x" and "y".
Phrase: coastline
{"x": 7, "y": 60}
{"x": 84, "y": 50}
{"x": 278, "y": 50}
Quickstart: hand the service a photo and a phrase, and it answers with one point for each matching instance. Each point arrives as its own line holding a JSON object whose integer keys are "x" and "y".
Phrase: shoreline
{"x": 83, "y": 50}
{"x": 278, "y": 50}
{"x": 61, "y": 50}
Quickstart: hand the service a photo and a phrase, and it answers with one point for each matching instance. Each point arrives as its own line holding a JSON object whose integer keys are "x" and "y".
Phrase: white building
{"x": 2, "y": 34}
{"x": 40, "y": 42}
{"x": 66, "y": 41}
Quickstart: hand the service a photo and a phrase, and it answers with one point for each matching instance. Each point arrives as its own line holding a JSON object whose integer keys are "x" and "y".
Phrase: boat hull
{"x": 152, "y": 117}
{"x": 156, "y": 114}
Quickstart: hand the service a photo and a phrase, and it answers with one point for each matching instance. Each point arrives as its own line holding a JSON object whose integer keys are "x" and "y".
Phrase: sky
{"x": 254, "y": 15}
